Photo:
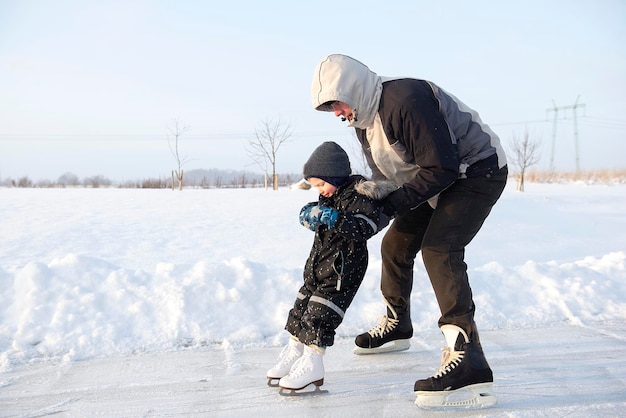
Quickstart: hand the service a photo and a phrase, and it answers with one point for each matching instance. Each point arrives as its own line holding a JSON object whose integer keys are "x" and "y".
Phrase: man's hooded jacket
{"x": 413, "y": 133}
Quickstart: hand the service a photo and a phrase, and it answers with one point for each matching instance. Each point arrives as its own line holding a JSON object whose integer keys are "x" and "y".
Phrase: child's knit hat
{"x": 328, "y": 161}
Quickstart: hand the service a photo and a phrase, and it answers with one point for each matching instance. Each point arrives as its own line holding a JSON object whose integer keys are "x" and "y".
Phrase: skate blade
{"x": 476, "y": 396}
{"x": 273, "y": 381}
{"x": 284, "y": 391}
{"x": 391, "y": 346}
{"x": 300, "y": 392}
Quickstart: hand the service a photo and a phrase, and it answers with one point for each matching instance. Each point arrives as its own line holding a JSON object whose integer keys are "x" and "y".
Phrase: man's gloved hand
{"x": 312, "y": 215}
{"x": 388, "y": 208}
{"x": 387, "y": 213}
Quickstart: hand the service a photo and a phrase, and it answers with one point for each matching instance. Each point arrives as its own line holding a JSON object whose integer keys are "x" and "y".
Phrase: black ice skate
{"x": 393, "y": 333}
{"x": 464, "y": 379}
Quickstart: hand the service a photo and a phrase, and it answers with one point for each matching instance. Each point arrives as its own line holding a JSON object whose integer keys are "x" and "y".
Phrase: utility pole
{"x": 556, "y": 109}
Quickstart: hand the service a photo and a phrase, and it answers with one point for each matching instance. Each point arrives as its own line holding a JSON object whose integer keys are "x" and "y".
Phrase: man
{"x": 447, "y": 169}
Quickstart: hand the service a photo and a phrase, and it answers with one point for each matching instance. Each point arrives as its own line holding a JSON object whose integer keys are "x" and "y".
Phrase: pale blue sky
{"x": 90, "y": 87}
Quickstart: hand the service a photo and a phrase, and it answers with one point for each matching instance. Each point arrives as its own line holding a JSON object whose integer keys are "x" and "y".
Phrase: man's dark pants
{"x": 442, "y": 235}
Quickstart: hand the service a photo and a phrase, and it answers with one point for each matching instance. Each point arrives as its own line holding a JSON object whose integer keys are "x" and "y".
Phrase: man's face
{"x": 343, "y": 110}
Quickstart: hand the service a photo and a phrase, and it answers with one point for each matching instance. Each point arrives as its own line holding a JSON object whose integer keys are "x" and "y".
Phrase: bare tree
{"x": 96, "y": 181}
{"x": 525, "y": 153}
{"x": 177, "y": 129}
{"x": 68, "y": 179}
{"x": 263, "y": 149}
{"x": 24, "y": 182}
{"x": 218, "y": 182}
{"x": 243, "y": 180}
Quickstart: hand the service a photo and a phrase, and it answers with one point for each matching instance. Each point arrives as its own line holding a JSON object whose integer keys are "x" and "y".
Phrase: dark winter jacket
{"x": 344, "y": 247}
{"x": 412, "y": 132}
{"x": 335, "y": 267}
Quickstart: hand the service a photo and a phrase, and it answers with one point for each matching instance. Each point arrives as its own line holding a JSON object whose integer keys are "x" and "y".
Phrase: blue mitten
{"x": 328, "y": 216}
{"x": 304, "y": 213}
{"x": 312, "y": 215}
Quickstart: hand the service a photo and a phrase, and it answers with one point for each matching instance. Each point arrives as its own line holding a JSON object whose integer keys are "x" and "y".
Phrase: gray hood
{"x": 342, "y": 78}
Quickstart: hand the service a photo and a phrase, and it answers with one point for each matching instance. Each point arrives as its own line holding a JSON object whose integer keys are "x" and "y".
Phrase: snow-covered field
{"x": 125, "y": 302}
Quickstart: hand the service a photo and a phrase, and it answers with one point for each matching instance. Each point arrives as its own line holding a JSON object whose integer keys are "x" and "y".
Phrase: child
{"x": 343, "y": 221}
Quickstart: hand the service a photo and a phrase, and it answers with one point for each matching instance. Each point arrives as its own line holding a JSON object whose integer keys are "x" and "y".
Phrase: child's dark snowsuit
{"x": 335, "y": 267}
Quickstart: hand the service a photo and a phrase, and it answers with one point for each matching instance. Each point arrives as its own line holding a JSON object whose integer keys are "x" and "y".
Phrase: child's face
{"x": 323, "y": 188}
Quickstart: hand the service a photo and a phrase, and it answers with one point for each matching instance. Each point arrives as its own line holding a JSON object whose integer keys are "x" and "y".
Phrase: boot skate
{"x": 306, "y": 370}
{"x": 393, "y": 333}
{"x": 463, "y": 370}
{"x": 288, "y": 356}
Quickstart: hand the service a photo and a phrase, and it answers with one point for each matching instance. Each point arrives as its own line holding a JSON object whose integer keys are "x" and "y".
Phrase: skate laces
{"x": 449, "y": 360}
{"x": 287, "y": 355}
{"x": 385, "y": 325}
{"x": 301, "y": 366}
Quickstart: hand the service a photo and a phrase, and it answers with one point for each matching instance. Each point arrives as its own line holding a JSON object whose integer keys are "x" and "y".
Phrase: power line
{"x": 585, "y": 120}
{"x": 605, "y": 123}
{"x": 151, "y": 137}
{"x": 524, "y": 122}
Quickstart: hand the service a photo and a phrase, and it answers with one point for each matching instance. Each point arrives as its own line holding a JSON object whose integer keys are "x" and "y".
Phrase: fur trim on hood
{"x": 376, "y": 190}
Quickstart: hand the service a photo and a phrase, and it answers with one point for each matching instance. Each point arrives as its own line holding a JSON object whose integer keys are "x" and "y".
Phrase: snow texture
{"x": 125, "y": 302}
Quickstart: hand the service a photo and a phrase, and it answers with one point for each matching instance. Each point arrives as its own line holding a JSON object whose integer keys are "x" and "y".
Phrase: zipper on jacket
{"x": 339, "y": 270}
